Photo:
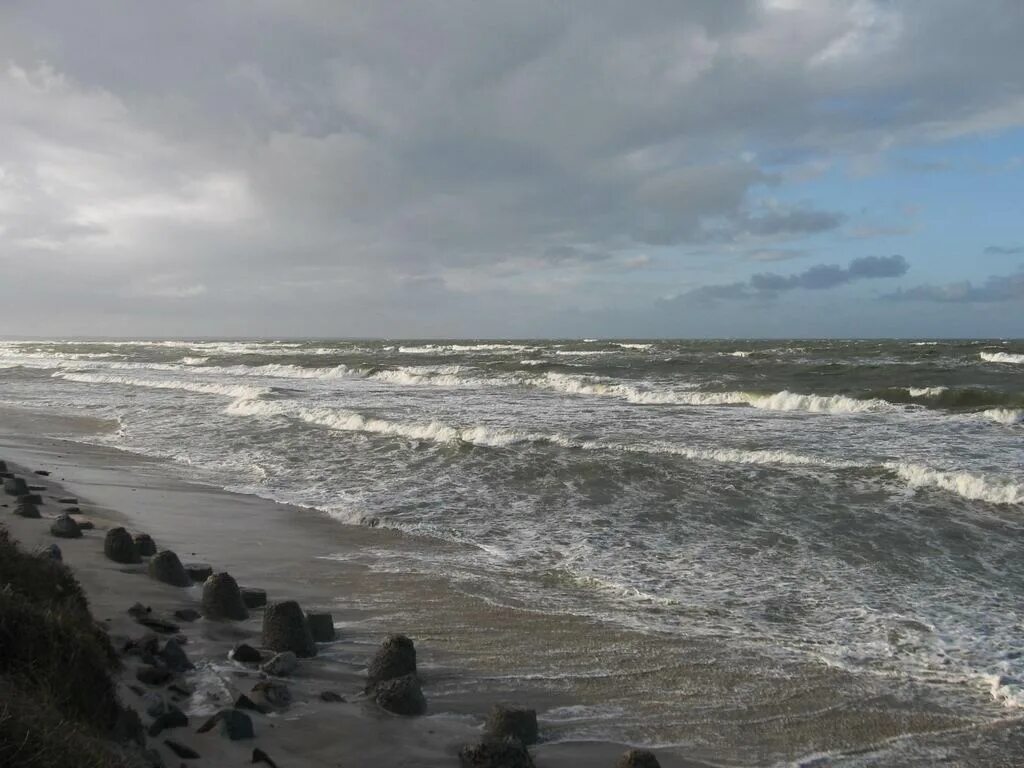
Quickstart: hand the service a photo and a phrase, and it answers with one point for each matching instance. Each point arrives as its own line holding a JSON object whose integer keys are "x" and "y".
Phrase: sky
{"x": 457, "y": 168}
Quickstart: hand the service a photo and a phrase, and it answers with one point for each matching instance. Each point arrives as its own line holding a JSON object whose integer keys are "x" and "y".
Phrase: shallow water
{"x": 820, "y": 534}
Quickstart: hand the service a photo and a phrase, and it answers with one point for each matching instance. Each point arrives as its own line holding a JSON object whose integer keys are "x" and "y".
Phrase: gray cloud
{"x": 996, "y": 289}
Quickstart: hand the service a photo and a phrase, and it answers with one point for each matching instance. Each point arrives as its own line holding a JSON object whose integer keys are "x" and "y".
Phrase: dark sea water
{"x": 831, "y": 516}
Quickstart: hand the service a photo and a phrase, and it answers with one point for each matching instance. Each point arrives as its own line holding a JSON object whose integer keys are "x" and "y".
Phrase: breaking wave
{"x": 226, "y": 390}
{"x": 1002, "y": 357}
{"x": 838, "y": 404}
{"x": 1008, "y": 416}
{"x": 969, "y": 485}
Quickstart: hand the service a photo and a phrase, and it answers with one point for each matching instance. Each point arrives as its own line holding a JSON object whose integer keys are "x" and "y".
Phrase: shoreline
{"x": 201, "y": 523}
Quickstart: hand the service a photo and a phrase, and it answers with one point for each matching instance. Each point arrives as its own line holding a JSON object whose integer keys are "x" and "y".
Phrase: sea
{"x": 842, "y": 520}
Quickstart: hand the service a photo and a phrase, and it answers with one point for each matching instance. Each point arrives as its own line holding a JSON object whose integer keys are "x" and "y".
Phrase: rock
{"x": 3, "y": 466}
{"x": 187, "y": 614}
{"x": 174, "y": 658}
{"x": 222, "y": 600}
{"x": 43, "y": 472}
{"x": 119, "y": 547}
{"x": 166, "y": 567}
{"x": 244, "y": 702}
{"x": 185, "y": 753}
{"x": 33, "y": 498}
{"x": 321, "y": 627}
{"x": 15, "y": 486}
{"x": 154, "y": 704}
{"x": 395, "y": 657}
{"x": 245, "y": 654}
{"x": 495, "y": 753}
{"x": 332, "y": 697}
{"x": 64, "y": 527}
{"x": 128, "y": 727}
{"x": 254, "y": 598}
{"x": 157, "y": 624}
{"x": 67, "y": 500}
{"x": 285, "y": 629}
{"x": 259, "y": 756}
{"x": 198, "y": 571}
{"x": 26, "y": 509}
{"x": 638, "y": 758}
{"x": 152, "y": 759}
{"x": 281, "y": 665}
{"x": 83, "y": 524}
{"x": 270, "y": 693}
{"x": 235, "y": 725}
{"x": 153, "y": 675}
{"x": 144, "y": 544}
{"x": 51, "y": 551}
{"x": 172, "y": 718}
{"x": 37, "y": 488}
{"x": 515, "y": 722}
{"x": 401, "y": 695}
{"x": 209, "y": 724}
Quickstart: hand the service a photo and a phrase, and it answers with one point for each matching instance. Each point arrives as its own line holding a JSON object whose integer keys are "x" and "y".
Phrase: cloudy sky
{"x": 522, "y": 168}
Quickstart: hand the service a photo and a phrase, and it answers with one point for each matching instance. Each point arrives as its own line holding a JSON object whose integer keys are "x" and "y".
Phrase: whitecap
{"x": 1002, "y": 357}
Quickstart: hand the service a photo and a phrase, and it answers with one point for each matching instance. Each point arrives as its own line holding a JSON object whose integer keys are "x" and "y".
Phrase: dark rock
{"x": 495, "y": 753}
{"x": 15, "y": 486}
{"x": 271, "y": 694}
{"x": 128, "y": 727}
{"x": 245, "y": 654}
{"x": 172, "y": 718}
{"x": 181, "y": 690}
{"x": 166, "y": 567}
{"x": 235, "y": 725}
{"x": 37, "y": 488}
{"x": 152, "y": 759}
{"x": 209, "y": 724}
{"x": 64, "y": 527}
{"x": 401, "y": 695}
{"x": 147, "y": 645}
{"x": 138, "y": 609}
{"x": 157, "y": 624}
{"x": 185, "y": 753}
{"x": 23, "y": 508}
{"x": 638, "y": 758}
{"x": 332, "y": 697}
{"x": 154, "y": 704}
{"x": 254, "y": 598}
{"x": 321, "y": 627}
{"x": 174, "y": 658}
{"x": 244, "y": 702}
{"x": 153, "y": 675}
{"x": 395, "y": 657}
{"x": 67, "y": 500}
{"x": 3, "y": 466}
{"x": 33, "y": 498}
{"x": 198, "y": 571}
{"x": 43, "y": 472}
{"x": 259, "y": 756}
{"x": 281, "y": 665}
{"x": 222, "y": 600}
{"x": 515, "y": 722}
{"x": 187, "y": 614}
{"x": 73, "y": 510}
{"x": 85, "y": 525}
{"x": 119, "y": 547}
{"x": 52, "y": 551}
{"x": 144, "y": 544}
{"x": 285, "y": 629}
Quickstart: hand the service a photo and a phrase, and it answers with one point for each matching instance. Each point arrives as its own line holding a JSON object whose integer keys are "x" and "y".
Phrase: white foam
{"x": 925, "y": 391}
{"x": 583, "y": 352}
{"x": 738, "y": 353}
{"x": 1002, "y": 357}
{"x": 1008, "y": 691}
{"x": 226, "y": 390}
{"x": 632, "y": 345}
{"x": 968, "y": 485}
{"x": 194, "y": 360}
{"x": 455, "y": 349}
{"x": 1008, "y": 416}
{"x": 836, "y": 404}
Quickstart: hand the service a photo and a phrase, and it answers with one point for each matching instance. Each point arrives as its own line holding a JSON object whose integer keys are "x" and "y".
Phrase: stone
{"x": 119, "y": 547}
{"x": 174, "y": 658}
{"x": 166, "y": 567}
{"x": 152, "y": 759}
{"x": 128, "y": 727}
{"x": 401, "y": 696}
{"x": 222, "y": 600}
{"x": 638, "y": 758}
{"x": 271, "y": 694}
{"x": 281, "y": 665}
{"x": 3, "y": 466}
{"x": 259, "y": 756}
{"x": 172, "y": 718}
{"x": 15, "y": 486}
{"x": 332, "y": 697}
{"x": 37, "y": 488}
{"x": 395, "y": 657}
{"x": 153, "y": 704}
{"x": 153, "y": 675}
{"x": 198, "y": 571}
{"x": 33, "y": 498}
{"x": 65, "y": 527}
{"x": 495, "y": 753}
{"x": 515, "y": 722}
{"x": 157, "y": 624}
{"x": 23, "y": 508}
{"x": 245, "y": 654}
{"x": 51, "y": 551}
{"x": 321, "y": 627}
{"x": 187, "y": 614}
{"x": 244, "y": 702}
{"x": 67, "y": 500}
{"x": 254, "y": 598}
{"x": 285, "y": 629}
{"x": 185, "y": 753}
{"x": 43, "y": 472}
{"x": 235, "y": 725}
{"x": 85, "y": 525}
{"x": 144, "y": 544}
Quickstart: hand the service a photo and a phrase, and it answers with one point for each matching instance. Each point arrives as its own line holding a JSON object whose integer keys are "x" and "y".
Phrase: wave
{"x": 1002, "y": 357}
{"x": 926, "y": 391}
{"x": 1008, "y": 416}
{"x": 968, "y": 485}
{"x": 1006, "y": 690}
{"x": 737, "y": 353}
{"x": 449, "y": 349}
{"x": 632, "y": 345}
{"x": 194, "y": 360}
{"x": 836, "y": 404}
{"x": 226, "y": 390}
{"x": 584, "y": 352}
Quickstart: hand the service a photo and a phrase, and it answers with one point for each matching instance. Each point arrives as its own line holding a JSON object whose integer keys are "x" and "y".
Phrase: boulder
{"x": 395, "y": 657}
{"x": 332, "y": 697}
{"x": 285, "y": 629}
{"x": 144, "y": 544}
{"x": 65, "y": 527}
{"x": 321, "y": 627}
{"x": 43, "y": 472}
{"x": 166, "y": 567}
{"x": 3, "y": 466}
{"x": 50, "y": 551}
{"x": 37, "y": 488}
{"x": 33, "y": 498}
{"x": 172, "y": 718}
{"x": 185, "y": 753}
{"x": 84, "y": 524}
{"x": 119, "y": 547}
{"x": 187, "y": 614}
{"x": 245, "y": 654}
{"x": 512, "y": 722}
{"x": 254, "y": 598}
{"x": 259, "y": 756}
{"x": 153, "y": 704}
{"x": 174, "y": 657}
{"x": 198, "y": 571}
{"x": 235, "y": 725}
{"x": 281, "y": 665}
{"x": 495, "y": 753}
{"x": 401, "y": 696}
{"x": 153, "y": 675}
{"x": 222, "y": 600}
{"x": 272, "y": 694}
{"x": 638, "y": 758}
{"x": 27, "y": 509}
{"x": 244, "y": 702}
{"x": 67, "y": 500}
{"x": 15, "y": 486}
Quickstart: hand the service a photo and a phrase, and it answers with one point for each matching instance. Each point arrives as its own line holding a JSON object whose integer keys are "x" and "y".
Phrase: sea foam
{"x": 968, "y": 485}
{"x": 1002, "y": 357}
